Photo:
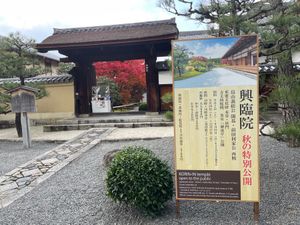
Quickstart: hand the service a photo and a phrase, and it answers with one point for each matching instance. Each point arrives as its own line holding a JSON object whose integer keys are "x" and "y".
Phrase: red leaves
{"x": 128, "y": 75}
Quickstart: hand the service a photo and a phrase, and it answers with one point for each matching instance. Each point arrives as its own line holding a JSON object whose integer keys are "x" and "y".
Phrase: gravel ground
{"x": 12, "y": 154}
{"x": 76, "y": 194}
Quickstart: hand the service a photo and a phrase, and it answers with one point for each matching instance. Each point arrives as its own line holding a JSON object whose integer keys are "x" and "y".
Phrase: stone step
{"x": 65, "y": 127}
{"x": 106, "y": 120}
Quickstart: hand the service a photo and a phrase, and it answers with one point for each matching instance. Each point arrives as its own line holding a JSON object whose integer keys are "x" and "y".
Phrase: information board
{"x": 216, "y": 118}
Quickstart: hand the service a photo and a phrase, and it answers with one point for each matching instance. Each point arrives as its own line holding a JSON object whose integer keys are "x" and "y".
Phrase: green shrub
{"x": 289, "y": 132}
{"x": 167, "y": 98}
{"x": 143, "y": 106}
{"x": 137, "y": 177}
{"x": 169, "y": 115}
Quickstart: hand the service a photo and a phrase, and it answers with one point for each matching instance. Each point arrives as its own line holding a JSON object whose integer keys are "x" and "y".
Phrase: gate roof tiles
{"x": 101, "y": 35}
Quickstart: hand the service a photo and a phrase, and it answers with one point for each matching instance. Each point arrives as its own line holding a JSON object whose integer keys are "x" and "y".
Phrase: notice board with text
{"x": 216, "y": 118}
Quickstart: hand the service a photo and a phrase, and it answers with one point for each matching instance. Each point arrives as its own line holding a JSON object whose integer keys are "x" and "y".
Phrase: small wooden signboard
{"x": 23, "y": 101}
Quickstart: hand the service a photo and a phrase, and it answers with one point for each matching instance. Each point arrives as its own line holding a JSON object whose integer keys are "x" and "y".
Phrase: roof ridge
{"x": 194, "y": 31}
{"x": 111, "y": 27}
{"x": 42, "y": 79}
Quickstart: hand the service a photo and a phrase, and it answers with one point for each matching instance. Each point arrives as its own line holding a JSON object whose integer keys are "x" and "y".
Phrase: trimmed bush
{"x": 143, "y": 107}
{"x": 169, "y": 115}
{"x": 137, "y": 177}
{"x": 289, "y": 132}
{"x": 167, "y": 98}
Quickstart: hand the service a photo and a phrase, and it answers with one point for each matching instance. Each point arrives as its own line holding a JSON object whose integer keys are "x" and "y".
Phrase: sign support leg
{"x": 177, "y": 209}
{"x": 256, "y": 211}
{"x": 25, "y": 130}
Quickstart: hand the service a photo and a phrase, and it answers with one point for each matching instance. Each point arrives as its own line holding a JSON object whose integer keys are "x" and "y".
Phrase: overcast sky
{"x": 210, "y": 48}
{"x": 36, "y": 18}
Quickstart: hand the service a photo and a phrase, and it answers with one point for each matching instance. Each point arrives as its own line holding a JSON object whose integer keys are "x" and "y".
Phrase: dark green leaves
{"x": 137, "y": 177}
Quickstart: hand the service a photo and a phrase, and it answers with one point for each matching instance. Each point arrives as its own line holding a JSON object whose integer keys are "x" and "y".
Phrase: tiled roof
{"x": 48, "y": 55}
{"x": 25, "y": 88}
{"x": 67, "y": 78}
{"x": 273, "y": 68}
{"x": 242, "y": 43}
{"x": 120, "y": 33}
{"x": 188, "y": 35}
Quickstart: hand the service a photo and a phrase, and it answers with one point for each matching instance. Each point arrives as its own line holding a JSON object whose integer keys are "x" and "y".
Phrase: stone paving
{"x": 144, "y": 133}
{"x": 37, "y": 134}
{"x": 24, "y": 178}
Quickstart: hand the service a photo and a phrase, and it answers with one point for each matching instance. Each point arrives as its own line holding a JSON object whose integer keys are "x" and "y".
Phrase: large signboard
{"x": 216, "y": 118}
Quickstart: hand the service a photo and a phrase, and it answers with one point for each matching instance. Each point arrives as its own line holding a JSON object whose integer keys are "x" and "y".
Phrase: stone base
{"x": 152, "y": 113}
{"x": 83, "y": 115}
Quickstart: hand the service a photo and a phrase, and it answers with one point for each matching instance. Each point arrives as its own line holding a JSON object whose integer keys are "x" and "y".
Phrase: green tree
{"x": 113, "y": 88}
{"x": 276, "y": 21}
{"x": 4, "y": 103}
{"x": 64, "y": 67}
{"x": 280, "y": 36}
{"x": 286, "y": 95}
{"x": 18, "y": 59}
{"x": 181, "y": 58}
{"x": 198, "y": 64}
{"x": 230, "y": 17}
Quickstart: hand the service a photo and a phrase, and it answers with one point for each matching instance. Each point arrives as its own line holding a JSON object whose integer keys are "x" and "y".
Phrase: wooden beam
{"x": 84, "y": 78}
{"x": 116, "y": 53}
{"x": 153, "y": 95}
{"x": 48, "y": 47}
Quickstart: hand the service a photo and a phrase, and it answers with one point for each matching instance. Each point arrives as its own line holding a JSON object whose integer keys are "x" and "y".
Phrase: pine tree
{"x": 277, "y": 22}
{"x": 17, "y": 59}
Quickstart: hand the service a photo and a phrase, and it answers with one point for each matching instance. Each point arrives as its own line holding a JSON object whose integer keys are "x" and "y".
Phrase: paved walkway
{"x": 217, "y": 77}
{"x": 24, "y": 178}
{"x": 140, "y": 133}
{"x": 117, "y": 134}
{"x": 37, "y": 134}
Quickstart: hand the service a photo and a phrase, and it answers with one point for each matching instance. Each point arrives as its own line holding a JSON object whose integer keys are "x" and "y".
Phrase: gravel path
{"x": 12, "y": 154}
{"x": 76, "y": 194}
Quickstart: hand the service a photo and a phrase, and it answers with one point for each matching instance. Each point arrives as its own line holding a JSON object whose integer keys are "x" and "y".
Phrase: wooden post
{"x": 84, "y": 78}
{"x": 256, "y": 211}
{"x": 177, "y": 209}
{"x": 25, "y": 130}
{"x": 153, "y": 95}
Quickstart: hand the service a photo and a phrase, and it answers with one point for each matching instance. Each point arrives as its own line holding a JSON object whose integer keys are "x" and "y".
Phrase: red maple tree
{"x": 129, "y": 76}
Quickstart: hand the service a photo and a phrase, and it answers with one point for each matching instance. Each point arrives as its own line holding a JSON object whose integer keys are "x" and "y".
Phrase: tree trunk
{"x": 235, "y": 28}
{"x": 179, "y": 71}
{"x": 22, "y": 80}
{"x": 285, "y": 64}
{"x": 285, "y": 68}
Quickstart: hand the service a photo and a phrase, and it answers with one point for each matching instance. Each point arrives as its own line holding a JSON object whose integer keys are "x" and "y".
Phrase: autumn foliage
{"x": 129, "y": 76}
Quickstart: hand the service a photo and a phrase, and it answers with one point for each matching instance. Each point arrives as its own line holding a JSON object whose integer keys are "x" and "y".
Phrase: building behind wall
{"x": 242, "y": 55}
{"x": 49, "y": 63}
{"x": 59, "y": 103}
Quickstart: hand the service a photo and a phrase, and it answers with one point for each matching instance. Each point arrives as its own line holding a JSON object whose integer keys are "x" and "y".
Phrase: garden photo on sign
{"x": 229, "y": 61}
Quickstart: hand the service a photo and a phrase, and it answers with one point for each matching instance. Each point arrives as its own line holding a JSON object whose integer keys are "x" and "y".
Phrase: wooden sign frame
{"x": 178, "y": 198}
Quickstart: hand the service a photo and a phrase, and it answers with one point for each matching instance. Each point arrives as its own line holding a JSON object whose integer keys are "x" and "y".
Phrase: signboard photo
{"x": 216, "y": 118}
